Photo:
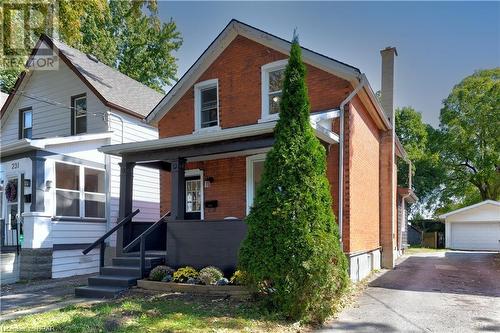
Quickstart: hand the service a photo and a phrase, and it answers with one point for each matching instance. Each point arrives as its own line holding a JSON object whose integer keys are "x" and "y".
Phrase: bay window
{"x": 80, "y": 191}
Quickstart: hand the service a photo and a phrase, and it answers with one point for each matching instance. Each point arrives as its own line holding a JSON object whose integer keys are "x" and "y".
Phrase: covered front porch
{"x": 208, "y": 181}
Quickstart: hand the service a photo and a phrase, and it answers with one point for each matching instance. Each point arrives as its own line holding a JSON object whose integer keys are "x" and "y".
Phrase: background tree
{"x": 470, "y": 138}
{"x": 126, "y": 35}
{"x": 420, "y": 142}
{"x": 292, "y": 244}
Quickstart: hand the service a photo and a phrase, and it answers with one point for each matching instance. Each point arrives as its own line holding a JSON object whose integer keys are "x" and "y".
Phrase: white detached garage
{"x": 475, "y": 227}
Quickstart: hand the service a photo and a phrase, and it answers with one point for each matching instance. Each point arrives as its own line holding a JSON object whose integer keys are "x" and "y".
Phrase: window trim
{"x": 81, "y": 191}
{"x": 265, "y": 70}
{"x": 198, "y": 87}
{"x": 249, "y": 178}
{"x": 21, "y": 122}
{"x": 73, "y": 113}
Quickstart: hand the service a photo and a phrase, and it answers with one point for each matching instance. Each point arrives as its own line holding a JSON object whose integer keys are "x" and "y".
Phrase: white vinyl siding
{"x": 72, "y": 262}
{"x": 52, "y": 107}
{"x": 146, "y": 194}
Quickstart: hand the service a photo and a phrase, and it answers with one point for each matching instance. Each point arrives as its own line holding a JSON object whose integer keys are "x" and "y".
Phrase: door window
{"x": 193, "y": 195}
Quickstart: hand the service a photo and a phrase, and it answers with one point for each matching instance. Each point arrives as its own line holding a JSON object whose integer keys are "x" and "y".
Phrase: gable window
{"x": 206, "y": 100}
{"x": 78, "y": 114}
{"x": 80, "y": 191}
{"x": 272, "y": 85}
{"x": 25, "y": 123}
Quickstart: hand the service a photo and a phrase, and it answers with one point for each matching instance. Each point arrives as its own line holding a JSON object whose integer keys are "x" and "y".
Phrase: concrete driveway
{"x": 437, "y": 292}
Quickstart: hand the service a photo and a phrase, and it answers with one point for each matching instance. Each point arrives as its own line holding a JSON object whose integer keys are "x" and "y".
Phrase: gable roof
{"x": 114, "y": 89}
{"x": 228, "y": 34}
{"x": 461, "y": 210}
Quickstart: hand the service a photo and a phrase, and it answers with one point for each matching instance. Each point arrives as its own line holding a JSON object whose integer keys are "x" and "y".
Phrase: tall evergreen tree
{"x": 293, "y": 244}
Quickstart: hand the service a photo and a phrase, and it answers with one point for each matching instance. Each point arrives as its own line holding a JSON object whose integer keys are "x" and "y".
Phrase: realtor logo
{"x": 22, "y": 24}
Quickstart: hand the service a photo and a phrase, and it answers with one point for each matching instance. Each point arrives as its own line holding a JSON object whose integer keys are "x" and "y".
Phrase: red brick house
{"x": 216, "y": 125}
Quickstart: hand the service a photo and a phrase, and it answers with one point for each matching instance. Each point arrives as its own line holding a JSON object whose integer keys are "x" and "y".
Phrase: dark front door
{"x": 193, "y": 198}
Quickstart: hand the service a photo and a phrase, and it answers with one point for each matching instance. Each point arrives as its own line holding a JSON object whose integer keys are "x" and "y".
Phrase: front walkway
{"x": 434, "y": 292}
{"x": 39, "y": 296}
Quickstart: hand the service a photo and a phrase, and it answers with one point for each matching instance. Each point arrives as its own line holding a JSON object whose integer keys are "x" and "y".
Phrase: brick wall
{"x": 229, "y": 187}
{"x": 362, "y": 179}
{"x": 238, "y": 70}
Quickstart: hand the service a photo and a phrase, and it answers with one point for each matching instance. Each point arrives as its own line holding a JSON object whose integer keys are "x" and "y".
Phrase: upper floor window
{"x": 272, "y": 85}
{"x": 25, "y": 123}
{"x": 206, "y": 101}
{"x": 78, "y": 114}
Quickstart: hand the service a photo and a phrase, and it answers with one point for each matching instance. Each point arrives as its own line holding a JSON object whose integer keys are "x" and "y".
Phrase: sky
{"x": 439, "y": 43}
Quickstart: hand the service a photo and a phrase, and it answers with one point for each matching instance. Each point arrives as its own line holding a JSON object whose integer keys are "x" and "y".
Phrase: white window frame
{"x": 197, "y": 105}
{"x": 81, "y": 191}
{"x": 76, "y": 116}
{"x": 249, "y": 178}
{"x": 197, "y": 172}
{"x": 23, "y": 123}
{"x": 265, "y": 70}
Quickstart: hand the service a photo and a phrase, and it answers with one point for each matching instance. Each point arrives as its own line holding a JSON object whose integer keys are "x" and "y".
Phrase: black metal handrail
{"x": 141, "y": 239}
{"x": 101, "y": 240}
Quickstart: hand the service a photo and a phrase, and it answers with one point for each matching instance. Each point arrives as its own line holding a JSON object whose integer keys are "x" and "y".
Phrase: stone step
{"x": 121, "y": 271}
{"x": 99, "y": 291}
{"x": 135, "y": 262}
{"x": 113, "y": 281}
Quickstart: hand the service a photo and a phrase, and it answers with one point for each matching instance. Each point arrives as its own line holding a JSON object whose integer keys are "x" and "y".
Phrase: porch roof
{"x": 233, "y": 133}
{"x": 25, "y": 145}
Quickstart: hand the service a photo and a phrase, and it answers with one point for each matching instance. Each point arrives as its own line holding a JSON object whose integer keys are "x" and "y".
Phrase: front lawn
{"x": 161, "y": 313}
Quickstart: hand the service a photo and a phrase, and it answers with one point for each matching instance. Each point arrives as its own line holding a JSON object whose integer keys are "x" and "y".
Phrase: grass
{"x": 161, "y": 313}
{"x": 417, "y": 249}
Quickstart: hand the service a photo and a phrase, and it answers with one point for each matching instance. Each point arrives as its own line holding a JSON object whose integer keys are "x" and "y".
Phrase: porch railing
{"x": 101, "y": 241}
{"x": 141, "y": 239}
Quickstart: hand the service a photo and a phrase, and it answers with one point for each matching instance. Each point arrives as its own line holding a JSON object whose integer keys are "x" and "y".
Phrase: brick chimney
{"x": 387, "y": 90}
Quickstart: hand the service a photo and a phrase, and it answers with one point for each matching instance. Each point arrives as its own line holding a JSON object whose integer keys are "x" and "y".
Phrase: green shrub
{"x": 240, "y": 278}
{"x": 160, "y": 272}
{"x": 210, "y": 275}
{"x": 183, "y": 274}
{"x": 292, "y": 245}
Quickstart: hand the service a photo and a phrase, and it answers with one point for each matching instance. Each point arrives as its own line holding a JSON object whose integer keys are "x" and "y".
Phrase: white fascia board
{"x": 461, "y": 210}
{"x": 16, "y": 147}
{"x": 376, "y": 103}
{"x": 24, "y": 145}
{"x": 324, "y": 133}
{"x": 42, "y": 143}
{"x": 325, "y": 115}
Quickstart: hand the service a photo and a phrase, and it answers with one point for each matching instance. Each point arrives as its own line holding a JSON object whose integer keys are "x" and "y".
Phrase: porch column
{"x": 178, "y": 191}
{"x": 125, "y": 203}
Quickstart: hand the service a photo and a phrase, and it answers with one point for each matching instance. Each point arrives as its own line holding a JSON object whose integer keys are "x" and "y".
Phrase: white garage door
{"x": 475, "y": 236}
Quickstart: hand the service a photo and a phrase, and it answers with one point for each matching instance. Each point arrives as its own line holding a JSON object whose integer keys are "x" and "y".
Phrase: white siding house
{"x": 58, "y": 193}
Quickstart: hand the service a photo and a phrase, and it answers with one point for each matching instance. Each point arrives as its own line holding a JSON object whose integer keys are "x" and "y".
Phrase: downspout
{"x": 360, "y": 85}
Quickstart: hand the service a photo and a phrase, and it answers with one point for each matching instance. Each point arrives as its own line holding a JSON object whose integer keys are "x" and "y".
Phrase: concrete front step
{"x": 121, "y": 271}
{"x": 99, "y": 291}
{"x": 113, "y": 281}
{"x": 121, "y": 275}
{"x": 133, "y": 261}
